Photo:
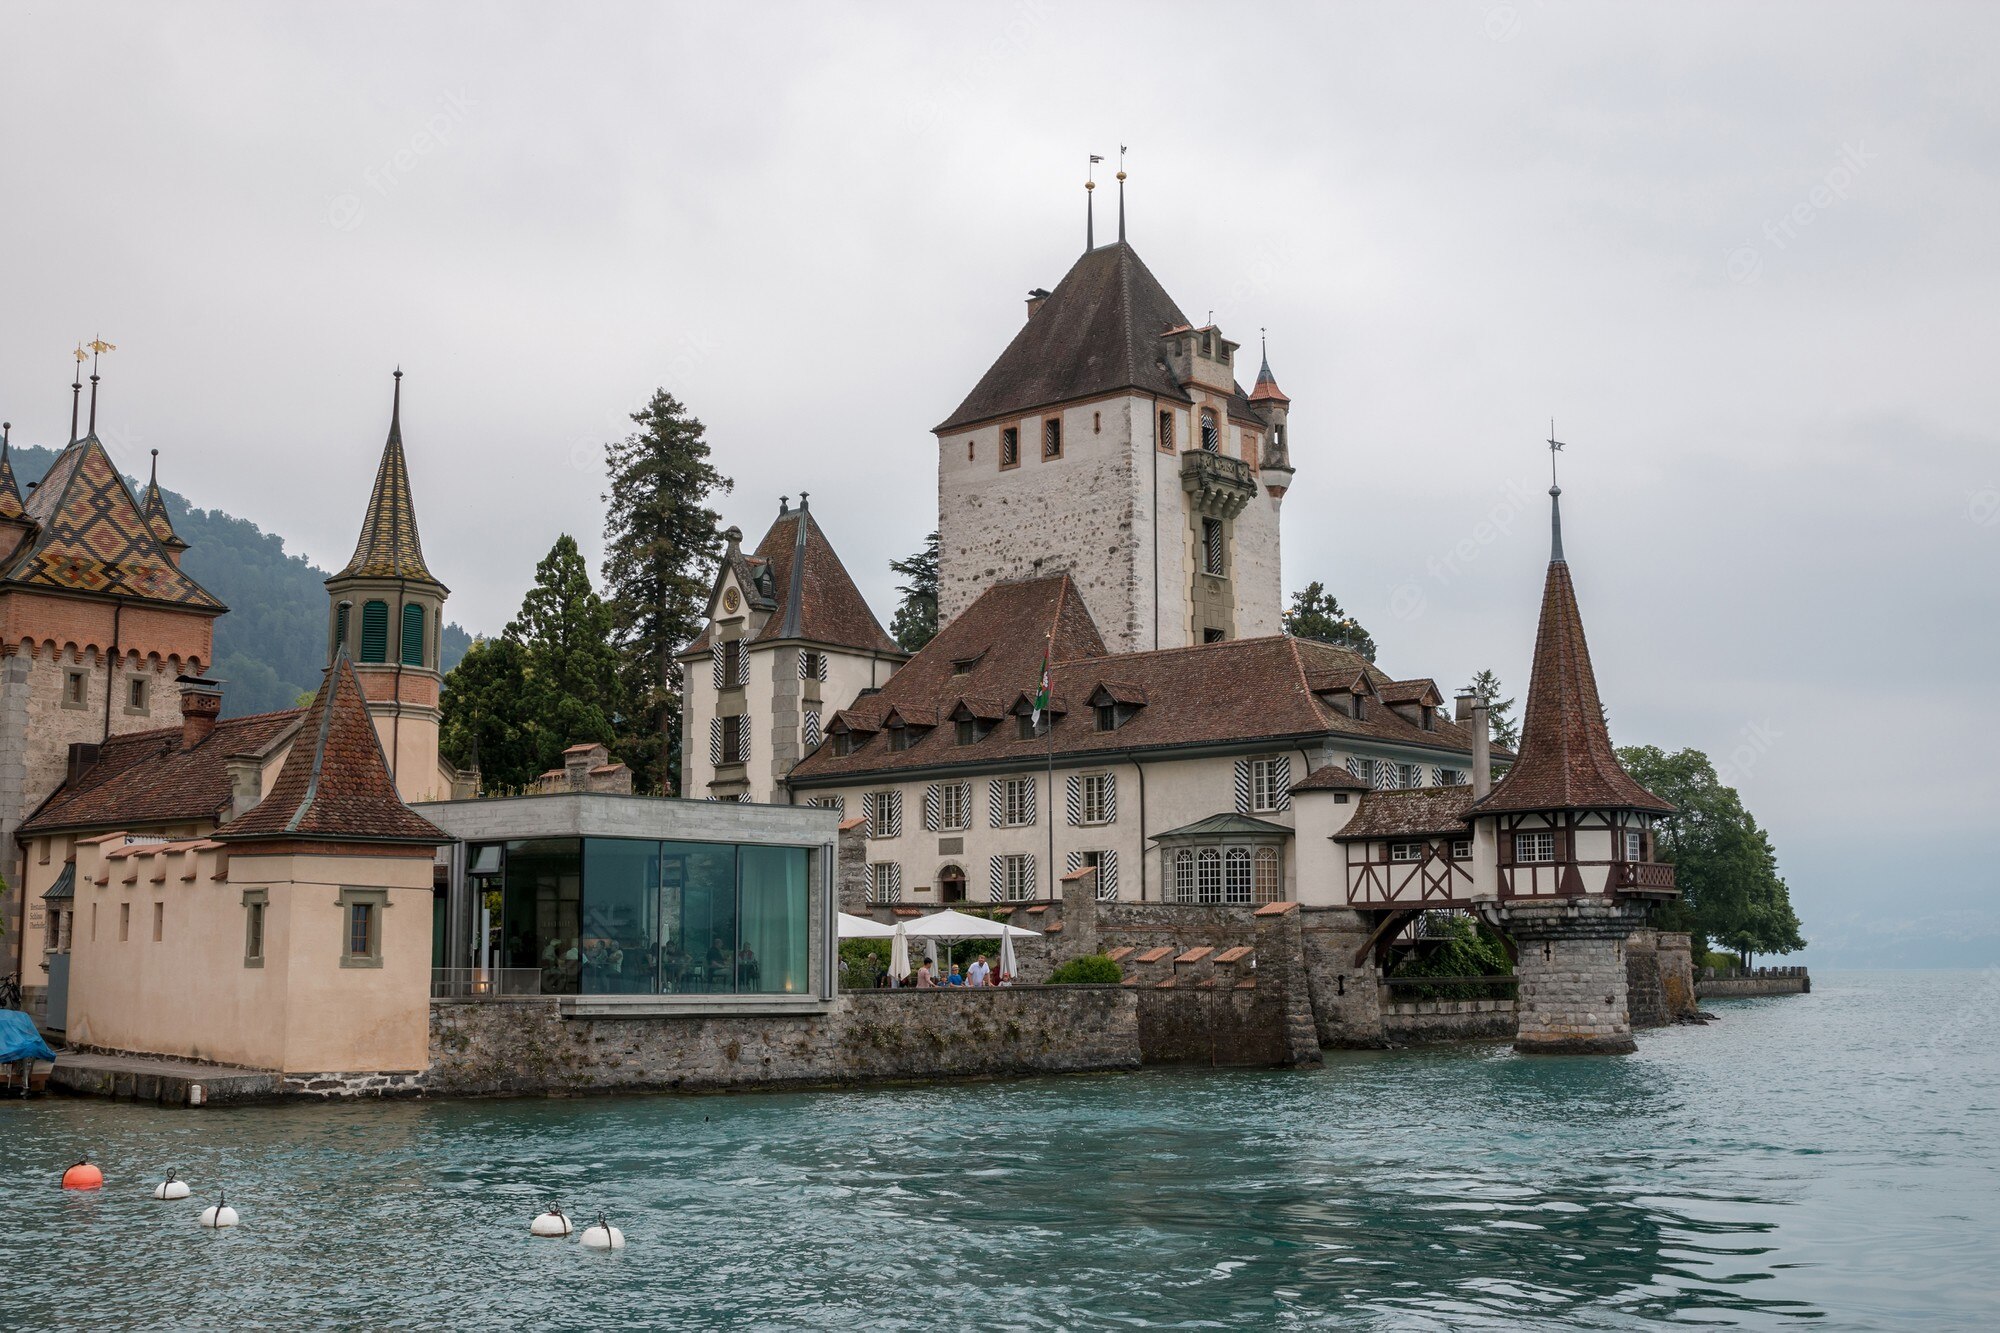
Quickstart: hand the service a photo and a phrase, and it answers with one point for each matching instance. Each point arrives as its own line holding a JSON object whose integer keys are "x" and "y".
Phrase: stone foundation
{"x": 407, "y": 1083}
{"x": 1574, "y": 990}
{"x": 1449, "y": 1020}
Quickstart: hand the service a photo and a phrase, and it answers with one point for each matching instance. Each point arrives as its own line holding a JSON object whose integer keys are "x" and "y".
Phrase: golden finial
{"x": 96, "y": 345}
{"x": 81, "y": 355}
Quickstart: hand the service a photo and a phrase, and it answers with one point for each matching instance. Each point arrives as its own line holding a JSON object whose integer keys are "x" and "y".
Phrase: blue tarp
{"x": 19, "y": 1040}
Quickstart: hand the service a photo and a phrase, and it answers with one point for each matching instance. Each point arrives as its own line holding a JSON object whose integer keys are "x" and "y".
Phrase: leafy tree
{"x": 1316, "y": 614}
{"x": 1724, "y": 864}
{"x": 484, "y": 714}
{"x": 916, "y": 622}
{"x": 1093, "y": 969}
{"x": 1499, "y": 712}
{"x": 661, "y": 549}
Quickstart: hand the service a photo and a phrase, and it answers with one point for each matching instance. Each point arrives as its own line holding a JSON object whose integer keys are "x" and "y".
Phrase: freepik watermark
{"x": 1983, "y": 507}
{"x": 1759, "y": 739}
{"x": 1746, "y": 261}
{"x": 1410, "y": 598}
{"x": 1022, "y": 32}
{"x": 348, "y": 211}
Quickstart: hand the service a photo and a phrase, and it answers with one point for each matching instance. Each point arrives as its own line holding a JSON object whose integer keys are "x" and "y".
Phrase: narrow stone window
{"x": 1052, "y": 438}
{"x": 254, "y": 904}
{"x": 1211, "y": 546}
{"x": 136, "y": 694}
{"x": 1097, "y": 423}
{"x": 75, "y": 689}
{"x": 361, "y": 926}
{"x": 1010, "y": 446}
{"x": 124, "y": 922}
{"x": 1166, "y": 430}
{"x": 374, "y": 631}
{"x": 413, "y": 634}
{"x": 1211, "y": 437}
{"x": 159, "y": 921}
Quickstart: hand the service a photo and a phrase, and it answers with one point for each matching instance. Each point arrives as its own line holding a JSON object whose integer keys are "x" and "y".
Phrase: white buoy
{"x": 601, "y": 1235}
{"x": 551, "y": 1223}
{"x": 173, "y": 1187}
{"x": 219, "y": 1215}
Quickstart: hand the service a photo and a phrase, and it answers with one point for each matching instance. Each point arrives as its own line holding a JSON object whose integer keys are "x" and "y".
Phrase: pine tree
{"x": 571, "y": 691}
{"x": 661, "y": 549}
{"x": 1315, "y": 614}
{"x": 916, "y": 622}
{"x": 484, "y": 712}
{"x": 1499, "y": 712}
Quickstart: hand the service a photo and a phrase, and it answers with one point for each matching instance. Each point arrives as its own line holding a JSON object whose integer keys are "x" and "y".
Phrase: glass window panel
{"x": 620, "y": 902}
{"x": 541, "y": 892}
{"x": 772, "y": 948}
{"x": 697, "y": 916}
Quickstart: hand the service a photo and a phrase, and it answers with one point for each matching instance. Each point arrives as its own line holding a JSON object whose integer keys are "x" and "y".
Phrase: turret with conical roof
{"x": 385, "y": 611}
{"x": 154, "y": 508}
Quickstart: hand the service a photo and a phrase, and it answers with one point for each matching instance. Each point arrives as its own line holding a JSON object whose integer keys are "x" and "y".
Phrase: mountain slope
{"x": 272, "y": 644}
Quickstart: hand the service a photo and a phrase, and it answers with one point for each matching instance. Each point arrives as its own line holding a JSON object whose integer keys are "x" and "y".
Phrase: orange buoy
{"x": 83, "y": 1176}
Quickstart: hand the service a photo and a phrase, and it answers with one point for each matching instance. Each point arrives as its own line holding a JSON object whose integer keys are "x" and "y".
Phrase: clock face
{"x": 730, "y": 601}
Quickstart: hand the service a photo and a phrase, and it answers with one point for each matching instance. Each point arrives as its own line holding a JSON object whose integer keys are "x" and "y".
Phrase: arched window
{"x": 1184, "y": 876}
{"x": 1208, "y": 876}
{"x": 1236, "y": 879}
{"x": 374, "y": 631}
{"x": 413, "y": 634}
{"x": 1268, "y": 884}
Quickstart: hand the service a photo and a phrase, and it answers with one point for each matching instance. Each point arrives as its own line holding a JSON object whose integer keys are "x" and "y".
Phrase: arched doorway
{"x": 951, "y": 885}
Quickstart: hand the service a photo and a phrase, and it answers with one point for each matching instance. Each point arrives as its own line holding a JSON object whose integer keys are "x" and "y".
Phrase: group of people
{"x": 982, "y": 972}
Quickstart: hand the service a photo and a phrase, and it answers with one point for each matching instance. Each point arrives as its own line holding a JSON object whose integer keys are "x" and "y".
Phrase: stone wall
{"x": 1449, "y": 1020}
{"x": 527, "y": 1047}
{"x": 1573, "y": 984}
{"x": 1763, "y": 981}
{"x": 1207, "y": 1025}
{"x": 1659, "y": 977}
{"x": 1346, "y": 995}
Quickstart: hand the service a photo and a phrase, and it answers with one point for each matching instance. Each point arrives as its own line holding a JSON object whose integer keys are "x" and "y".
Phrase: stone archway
{"x": 951, "y": 884}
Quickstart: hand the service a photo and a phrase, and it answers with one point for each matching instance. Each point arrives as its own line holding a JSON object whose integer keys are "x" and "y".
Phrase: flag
{"x": 1042, "y": 690}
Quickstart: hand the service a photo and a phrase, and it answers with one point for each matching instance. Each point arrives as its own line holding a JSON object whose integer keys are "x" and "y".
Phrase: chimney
{"x": 82, "y": 754}
{"x": 201, "y": 703}
{"x": 246, "y": 783}
{"x": 1035, "y": 299}
{"x": 1482, "y": 753}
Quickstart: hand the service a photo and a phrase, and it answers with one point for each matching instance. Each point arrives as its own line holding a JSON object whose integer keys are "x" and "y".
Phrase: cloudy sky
{"x": 1743, "y": 255}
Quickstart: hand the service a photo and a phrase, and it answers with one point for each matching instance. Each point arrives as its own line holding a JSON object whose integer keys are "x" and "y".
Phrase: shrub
{"x": 1091, "y": 970}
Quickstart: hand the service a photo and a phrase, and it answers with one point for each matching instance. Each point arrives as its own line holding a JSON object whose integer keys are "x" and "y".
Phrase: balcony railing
{"x": 1643, "y": 877}
{"x": 1219, "y": 484}
{"x": 484, "y": 983}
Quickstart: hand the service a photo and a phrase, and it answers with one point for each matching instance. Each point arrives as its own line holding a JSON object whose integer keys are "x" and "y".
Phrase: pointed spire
{"x": 389, "y": 546}
{"x": 154, "y": 511}
{"x": 1121, "y": 194}
{"x": 98, "y": 347}
{"x": 10, "y": 493}
{"x": 1566, "y": 760}
{"x": 1555, "y": 499}
{"x": 76, "y": 393}
{"x": 1090, "y": 212}
{"x": 1266, "y": 388}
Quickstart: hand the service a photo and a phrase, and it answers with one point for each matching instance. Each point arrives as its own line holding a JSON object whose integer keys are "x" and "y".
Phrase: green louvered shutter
{"x": 339, "y": 627}
{"x": 374, "y": 631}
{"x": 413, "y": 634}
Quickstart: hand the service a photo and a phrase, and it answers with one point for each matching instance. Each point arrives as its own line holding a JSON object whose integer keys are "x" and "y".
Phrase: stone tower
{"x": 386, "y": 609}
{"x": 1112, "y": 441}
{"x": 97, "y": 621}
{"x": 789, "y": 641}
{"x": 1574, "y": 836}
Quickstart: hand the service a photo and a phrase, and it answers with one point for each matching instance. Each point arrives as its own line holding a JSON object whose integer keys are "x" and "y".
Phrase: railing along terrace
{"x": 484, "y": 983}
{"x": 1656, "y": 876}
{"x": 1405, "y": 990}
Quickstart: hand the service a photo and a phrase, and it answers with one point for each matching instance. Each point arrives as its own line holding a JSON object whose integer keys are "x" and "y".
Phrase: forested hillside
{"x": 271, "y": 646}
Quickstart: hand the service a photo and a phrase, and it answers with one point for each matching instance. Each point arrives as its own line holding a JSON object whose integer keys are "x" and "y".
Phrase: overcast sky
{"x": 1743, "y": 255}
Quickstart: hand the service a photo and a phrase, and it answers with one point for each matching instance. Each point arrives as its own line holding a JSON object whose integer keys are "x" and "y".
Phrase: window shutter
{"x": 1075, "y": 862}
{"x": 812, "y": 729}
{"x": 1281, "y": 780}
{"x": 868, "y": 814}
{"x": 1107, "y": 875}
{"x": 1242, "y": 786}
{"x": 743, "y": 738}
{"x": 340, "y": 626}
{"x": 1028, "y": 879}
{"x": 413, "y": 634}
{"x": 1110, "y": 799}
{"x": 374, "y": 631}
{"x": 892, "y": 814}
{"x": 1357, "y": 767}
{"x": 996, "y": 888}
{"x": 1075, "y": 801}
{"x": 715, "y": 740}
{"x": 1032, "y": 788}
{"x": 931, "y": 822}
{"x": 805, "y": 672}
{"x": 820, "y": 674}
{"x": 996, "y": 803}
{"x": 715, "y": 660}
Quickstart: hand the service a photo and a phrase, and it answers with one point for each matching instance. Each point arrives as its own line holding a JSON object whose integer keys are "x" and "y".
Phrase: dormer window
{"x": 1107, "y": 717}
{"x": 1208, "y": 344}
{"x": 845, "y": 742}
{"x": 968, "y": 731}
{"x": 1428, "y": 718}
{"x": 1028, "y": 728}
{"x": 901, "y": 737}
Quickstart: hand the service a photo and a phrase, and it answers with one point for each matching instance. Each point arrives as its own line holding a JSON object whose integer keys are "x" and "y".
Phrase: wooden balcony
{"x": 1644, "y": 879}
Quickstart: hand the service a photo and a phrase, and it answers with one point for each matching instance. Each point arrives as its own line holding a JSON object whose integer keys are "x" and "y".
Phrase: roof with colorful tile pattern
{"x": 389, "y": 547}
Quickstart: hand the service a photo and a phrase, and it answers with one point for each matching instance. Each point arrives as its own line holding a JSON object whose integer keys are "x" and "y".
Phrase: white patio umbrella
{"x": 899, "y": 955}
{"x": 1008, "y": 967}
{"x": 952, "y": 926}
{"x": 861, "y": 928}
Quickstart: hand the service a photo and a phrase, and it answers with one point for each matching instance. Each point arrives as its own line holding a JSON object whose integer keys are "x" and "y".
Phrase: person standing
{"x": 926, "y": 979}
{"x": 979, "y": 973}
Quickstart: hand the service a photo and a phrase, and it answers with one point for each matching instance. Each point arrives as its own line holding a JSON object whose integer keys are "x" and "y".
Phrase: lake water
{"x": 1832, "y": 1158}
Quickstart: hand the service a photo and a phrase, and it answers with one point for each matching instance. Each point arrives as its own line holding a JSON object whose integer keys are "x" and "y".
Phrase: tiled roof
{"x": 1566, "y": 761}
{"x": 1098, "y": 332}
{"x": 816, "y": 597}
{"x": 1411, "y": 691}
{"x": 389, "y": 546}
{"x": 154, "y": 510}
{"x": 93, "y": 538}
{"x": 335, "y": 783}
{"x": 1266, "y": 388}
{"x": 10, "y": 491}
{"x": 145, "y": 777}
{"x": 1331, "y": 777}
{"x": 1416, "y": 812}
{"x": 1242, "y": 690}
{"x": 1228, "y": 825}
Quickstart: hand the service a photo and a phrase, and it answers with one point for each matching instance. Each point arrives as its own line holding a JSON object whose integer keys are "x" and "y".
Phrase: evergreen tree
{"x": 571, "y": 691}
{"x": 661, "y": 549}
{"x": 1499, "y": 712}
{"x": 484, "y": 715}
{"x": 916, "y": 621}
{"x": 1724, "y": 864}
{"x": 1316, "y": 614}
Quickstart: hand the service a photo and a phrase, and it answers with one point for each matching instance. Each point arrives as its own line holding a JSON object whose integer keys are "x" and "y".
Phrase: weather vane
{"x": 1555, "y": 447}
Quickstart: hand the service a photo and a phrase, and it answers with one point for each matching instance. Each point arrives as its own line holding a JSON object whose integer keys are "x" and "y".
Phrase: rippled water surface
{"x": 1829, "y": 1158}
